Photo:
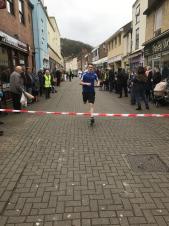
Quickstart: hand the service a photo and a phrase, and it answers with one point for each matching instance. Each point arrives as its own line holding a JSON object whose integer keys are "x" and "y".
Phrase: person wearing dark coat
{"x": 149, "y": 85}
{"x": 165, "y": 71}
{"x": 58, "y": 75}
{"x": 139, "y": 85}
{"x": 111, "y": 80}
{"x": 157, "y": 76}
{"x": 122, "y": 82}
{"x": 41, "y": 80}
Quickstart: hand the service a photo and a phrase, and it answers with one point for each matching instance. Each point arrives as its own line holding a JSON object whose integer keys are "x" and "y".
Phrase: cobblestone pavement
{"x": 57, "y": 170}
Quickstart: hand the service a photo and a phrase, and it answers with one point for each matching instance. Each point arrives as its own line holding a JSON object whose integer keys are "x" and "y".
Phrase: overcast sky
{"x": 90, "y": 21}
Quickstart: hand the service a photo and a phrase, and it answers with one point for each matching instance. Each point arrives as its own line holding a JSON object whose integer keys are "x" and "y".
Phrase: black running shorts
{"x": 90, "y": 97}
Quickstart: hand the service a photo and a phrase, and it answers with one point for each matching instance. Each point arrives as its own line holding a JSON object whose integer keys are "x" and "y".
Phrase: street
{"x": 57, "y": 170}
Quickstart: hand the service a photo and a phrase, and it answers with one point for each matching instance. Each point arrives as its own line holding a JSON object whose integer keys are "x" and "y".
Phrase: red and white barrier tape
{"x": 87, "y": 114}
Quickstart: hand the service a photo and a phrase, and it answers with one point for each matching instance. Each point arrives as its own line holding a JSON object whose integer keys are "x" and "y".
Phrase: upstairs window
{"x": 138, "y": 14}
{"x": 10, "y": 6}
{"x": 21, "y": 12}
{"x": 119, "y": 40}
{"x": 158, "y": 19}
{"x": 137, "y": 39}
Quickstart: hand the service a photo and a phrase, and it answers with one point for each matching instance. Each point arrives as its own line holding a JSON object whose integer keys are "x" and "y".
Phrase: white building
{"x": 138, "y": 33}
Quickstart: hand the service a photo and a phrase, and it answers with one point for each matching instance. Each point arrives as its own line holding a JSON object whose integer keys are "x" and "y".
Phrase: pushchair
{"x": 161, "y": 94}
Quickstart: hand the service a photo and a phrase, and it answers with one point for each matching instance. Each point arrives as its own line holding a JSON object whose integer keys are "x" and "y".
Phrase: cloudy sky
{"x": 90, "y": 21}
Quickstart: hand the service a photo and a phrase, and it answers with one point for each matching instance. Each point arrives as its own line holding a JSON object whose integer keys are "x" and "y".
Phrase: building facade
{"x": 138, "y": 33}
{"x": 72, "y": 65}
{"x": 157, "y": 34}
{"x": 116, "y": 48}
{"x": 54, "y": 44}
{"x": 99, "y": 55}
{"x": 40, "y": 31}
{"x": 16, "y": 39}
{"x": 127, "y": 46}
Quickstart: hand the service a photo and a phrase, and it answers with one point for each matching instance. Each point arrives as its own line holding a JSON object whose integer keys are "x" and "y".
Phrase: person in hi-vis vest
{"x": 47, "y": 83}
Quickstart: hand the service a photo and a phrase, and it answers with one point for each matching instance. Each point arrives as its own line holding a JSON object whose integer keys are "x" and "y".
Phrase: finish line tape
{"x": 86, "y": 114}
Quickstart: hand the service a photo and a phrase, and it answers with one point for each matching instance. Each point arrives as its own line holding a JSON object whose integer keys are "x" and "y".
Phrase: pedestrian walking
{"x": 139, "y": 85}
{"x": 47, "y": 84}
{"x": 88, "y": 83}
{"x": 16, "y": 87}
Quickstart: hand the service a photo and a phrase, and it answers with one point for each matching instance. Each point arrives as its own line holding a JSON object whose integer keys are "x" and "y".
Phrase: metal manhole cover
{"x": 147, "y": 163}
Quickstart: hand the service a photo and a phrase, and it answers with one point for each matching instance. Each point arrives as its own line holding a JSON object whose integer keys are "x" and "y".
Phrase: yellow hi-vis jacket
{"x": 48, "y": 80}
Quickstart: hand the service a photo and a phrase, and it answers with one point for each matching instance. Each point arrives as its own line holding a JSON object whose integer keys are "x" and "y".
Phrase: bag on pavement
{"x": 28, "y": 95}
{"x": 23, "y": 100}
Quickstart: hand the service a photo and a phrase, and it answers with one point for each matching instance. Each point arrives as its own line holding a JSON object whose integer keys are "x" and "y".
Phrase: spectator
{"x": 139, "y": 84}
{"x": 41, "y": 79}
{"x": 36, "y": 86}
{"x": 157, "y": 76}
{"x": 165, "y": 71}
{"x": 16, "y": 87}
{"x": 149, "y": 85}
{"x": 111, "y": 79}
{"x": 47, "y": 84}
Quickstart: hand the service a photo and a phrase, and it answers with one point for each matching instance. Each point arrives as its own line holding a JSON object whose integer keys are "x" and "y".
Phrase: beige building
{"x": 138, "y": 33}
{"x": 72, "y": 64}
{"x": 54, "y": 45}
{"x": 116, "y": 48}
{"x": 157, "y": 34}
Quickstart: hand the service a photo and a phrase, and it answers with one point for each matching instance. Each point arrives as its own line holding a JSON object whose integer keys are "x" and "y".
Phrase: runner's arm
{"x": 85, "y": 83}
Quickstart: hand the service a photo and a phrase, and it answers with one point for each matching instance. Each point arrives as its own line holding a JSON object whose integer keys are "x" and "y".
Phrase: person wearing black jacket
{"x": 111, "y": 80}
{"x": 156, "y": 77}
{"x": 122, "y": 82}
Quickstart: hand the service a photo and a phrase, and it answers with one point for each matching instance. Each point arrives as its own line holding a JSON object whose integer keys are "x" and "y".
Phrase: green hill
{"x": 72, "y": 48}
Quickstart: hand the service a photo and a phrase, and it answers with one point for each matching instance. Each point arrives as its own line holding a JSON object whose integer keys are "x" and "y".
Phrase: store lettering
{"x": 161, "y": 46}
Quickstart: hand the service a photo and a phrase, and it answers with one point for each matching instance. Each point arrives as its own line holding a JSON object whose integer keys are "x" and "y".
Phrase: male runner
{"x": 87, "y": 81}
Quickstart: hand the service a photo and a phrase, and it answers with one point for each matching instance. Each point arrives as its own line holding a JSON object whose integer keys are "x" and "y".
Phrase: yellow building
{"x": 157, "y": 34}
{"x": 116, "y": 48}
{"x": 54, "y": 45}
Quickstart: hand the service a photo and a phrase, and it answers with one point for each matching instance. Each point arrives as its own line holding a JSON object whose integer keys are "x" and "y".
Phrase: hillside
{"x": 73, "y": 48}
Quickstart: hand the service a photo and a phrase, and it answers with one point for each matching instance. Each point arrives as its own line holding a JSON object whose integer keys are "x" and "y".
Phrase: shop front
{"x": 157, "y": 51}
{"x": 136, "y": 60}
{"x": 115, "y": 62}
{"x": 12, "y": 53}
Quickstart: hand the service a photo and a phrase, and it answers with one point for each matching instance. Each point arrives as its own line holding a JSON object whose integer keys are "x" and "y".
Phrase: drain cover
{"x": 147, "y": 163}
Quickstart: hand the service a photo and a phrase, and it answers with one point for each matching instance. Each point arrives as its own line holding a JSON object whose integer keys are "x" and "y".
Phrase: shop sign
{"x": 158, "y": 47}
{"x": 13, "y": 42}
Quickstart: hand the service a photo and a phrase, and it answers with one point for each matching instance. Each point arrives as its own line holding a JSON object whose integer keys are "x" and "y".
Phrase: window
{"x": 119, "y": 40}
{"x": 21, "y": 12}
{"x": 115, "y": 42}
{"x": 137, "y": 39}
{"x": 158, "y": 19}
{"x": 112, "y": 44}
{"x": 10, "y": 6}
{"x": 138, "y": 14}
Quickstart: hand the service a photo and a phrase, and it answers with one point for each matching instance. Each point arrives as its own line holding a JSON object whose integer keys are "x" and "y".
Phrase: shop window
{"x": 4, "y": 65}
{"x": 21, "y": 12}
{"x": 137, "y": 39}
{"x": 158, "y": 21}
{"x": 138, "y": 14}
{"x": 10, "y": 6}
